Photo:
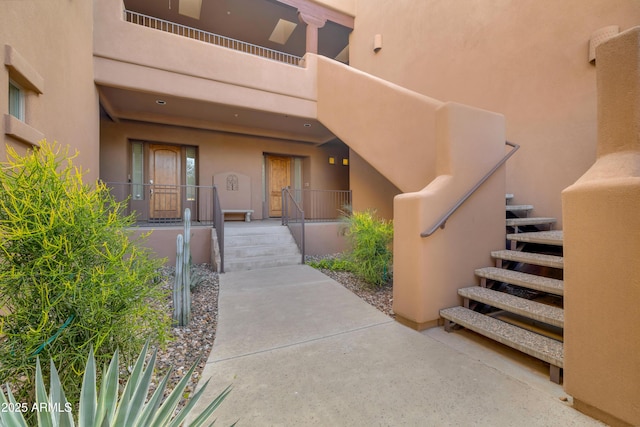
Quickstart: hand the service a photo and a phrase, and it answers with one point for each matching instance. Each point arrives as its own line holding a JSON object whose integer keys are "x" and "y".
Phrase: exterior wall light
{"x": 377, "y": 43}
{"x": 600, "y": 36}
{"x": 345, "y": 162}
{"x": 332, "y": 160}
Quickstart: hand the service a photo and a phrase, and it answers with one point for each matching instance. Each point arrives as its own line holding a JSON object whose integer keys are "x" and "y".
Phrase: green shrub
{"x": 370, "y": 238}
{"x": 70, "y": 277}
{"x": 333, "y": 264}
{"x": 133, "y": 407}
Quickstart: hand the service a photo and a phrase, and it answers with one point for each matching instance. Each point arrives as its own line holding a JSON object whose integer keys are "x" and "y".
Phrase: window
{"x": 191, "y": 173}
{"x": 297, "y": 179}
{"x": 137, "y": 171}
{"x": 16, "y": 101}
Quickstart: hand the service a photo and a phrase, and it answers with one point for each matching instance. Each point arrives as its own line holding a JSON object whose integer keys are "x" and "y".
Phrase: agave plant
{"x": 108, "y": 408}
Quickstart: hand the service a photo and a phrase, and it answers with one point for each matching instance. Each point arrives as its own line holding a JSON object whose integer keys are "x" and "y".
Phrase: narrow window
{"x": 16, "y": 101}
{"x": 137, "y": 171}
{"x": 191, "y": 173}
{"x": 297, "y": 178}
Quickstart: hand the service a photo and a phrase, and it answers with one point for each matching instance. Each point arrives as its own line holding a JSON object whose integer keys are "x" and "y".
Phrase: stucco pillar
{"x": 601, "y": 214}
{"x": 313, "y": 23}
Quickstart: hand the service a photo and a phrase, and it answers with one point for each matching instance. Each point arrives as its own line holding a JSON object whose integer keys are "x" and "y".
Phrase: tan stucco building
{"x": 412, "y": 102}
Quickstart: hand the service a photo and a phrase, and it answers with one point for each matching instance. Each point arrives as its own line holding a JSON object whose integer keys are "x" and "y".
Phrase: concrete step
{"x": 261, "y": 250}
{"x": 254, "y": 246}
{"x": 530, "y": 309}
{"x": 538, "y": 346}
{"x": 553, "y": 238}
{"x": 255, "y": 230}
{"x": 525, "y": 280}
{"x": 521, "y": 222}
{"x": 254, "y": 263}
{"x": 528, "y": 258}
{"x": 256, "y": 239}
{"x": 519, "y": 208}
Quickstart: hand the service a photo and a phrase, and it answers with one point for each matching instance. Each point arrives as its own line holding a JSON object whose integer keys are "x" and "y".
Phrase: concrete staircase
{"x": 253, "y": 247}
{"x": 519, "y": 301}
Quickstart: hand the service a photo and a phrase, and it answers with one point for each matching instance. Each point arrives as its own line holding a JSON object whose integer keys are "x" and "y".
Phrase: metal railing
{"x": 323, "y": 205}
{"x": 207, "y": 37}
{"x": 163, "y": 205}
{"x": 443, "y": 220}
{"x": 218, "y": 224}
{"x": 293, "y": 217}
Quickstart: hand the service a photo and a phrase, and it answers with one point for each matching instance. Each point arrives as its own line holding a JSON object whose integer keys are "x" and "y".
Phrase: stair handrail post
{"x": 303, "y": 246}
{"x": 285, "y": 210}
{"x": 218, "y": 224}
{"x": 443, "y": 220}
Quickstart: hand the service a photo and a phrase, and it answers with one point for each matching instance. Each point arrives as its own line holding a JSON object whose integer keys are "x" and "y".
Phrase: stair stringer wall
{"x": 390, "y": 127}
{"x": 434, "y": 152}
{"x": 428, "y": 271}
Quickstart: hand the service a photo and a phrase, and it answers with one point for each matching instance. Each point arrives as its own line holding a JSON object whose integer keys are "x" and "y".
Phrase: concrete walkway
{"x": 299, "y": 349}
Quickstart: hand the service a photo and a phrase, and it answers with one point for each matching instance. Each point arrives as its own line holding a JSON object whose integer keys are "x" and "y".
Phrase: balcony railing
{"x": 323, "y": 205}
{"x": 207, "y": 37}
{"x": 163, "y": 205}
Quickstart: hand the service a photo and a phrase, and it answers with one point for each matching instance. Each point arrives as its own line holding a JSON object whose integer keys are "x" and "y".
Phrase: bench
{"x": 247, "y": 213}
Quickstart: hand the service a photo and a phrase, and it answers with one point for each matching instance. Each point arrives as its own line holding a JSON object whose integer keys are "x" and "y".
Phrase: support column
{"x": 313, "y": 23}
{"x": 602, "y": 249}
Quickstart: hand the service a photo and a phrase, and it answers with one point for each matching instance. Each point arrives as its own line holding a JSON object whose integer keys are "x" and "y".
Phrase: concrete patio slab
{"x": 300, "y": 349}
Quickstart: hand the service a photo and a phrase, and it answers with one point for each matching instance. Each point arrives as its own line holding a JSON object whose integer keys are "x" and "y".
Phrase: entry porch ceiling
{"x": 130, "y": 105}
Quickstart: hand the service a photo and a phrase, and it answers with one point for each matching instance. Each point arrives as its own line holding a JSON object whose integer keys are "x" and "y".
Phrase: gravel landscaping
{"x": 195, "y": 340}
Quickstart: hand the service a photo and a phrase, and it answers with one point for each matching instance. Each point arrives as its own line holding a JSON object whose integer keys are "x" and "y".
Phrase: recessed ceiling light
{"x": 307, "y": 125}
{"x": 161, "y": 102}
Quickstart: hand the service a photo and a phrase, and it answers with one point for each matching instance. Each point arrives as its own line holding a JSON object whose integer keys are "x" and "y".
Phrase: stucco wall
{"x": 526, "y": 59}
{"x": 370, "y": 189}
{"x": 602, "y": 245}
{"x": 54, "y": 37}
{"x": 223, "y": 152}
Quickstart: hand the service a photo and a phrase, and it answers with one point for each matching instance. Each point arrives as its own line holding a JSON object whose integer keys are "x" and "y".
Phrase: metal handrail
{"x": 207, "y": 37}
{"x": 287, "y": 197}
{"x": 218, "y": 224}
{"x": 443, "y": 220}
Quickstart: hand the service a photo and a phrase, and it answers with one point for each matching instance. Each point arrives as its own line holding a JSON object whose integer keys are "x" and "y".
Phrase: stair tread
{"x": 254, "y": 231}
{"x": 554, "y": 237}
{"x": 260, "y": 258}
{"x": 539, "y": 346}
{"x": 518, "y": 207}
{"x": 530, "y": 281}
{"x": 524, "y": 307}
{"x": 530, "y": 258}
{"x": 514, "y": 222}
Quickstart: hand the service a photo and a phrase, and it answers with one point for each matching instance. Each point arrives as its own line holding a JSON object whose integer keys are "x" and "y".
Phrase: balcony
{"x": 207, "y": 37}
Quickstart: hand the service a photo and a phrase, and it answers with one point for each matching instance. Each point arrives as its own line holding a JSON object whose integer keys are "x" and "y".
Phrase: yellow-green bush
{"x": 70, "y": 277}
{"x": 370, "y": 256}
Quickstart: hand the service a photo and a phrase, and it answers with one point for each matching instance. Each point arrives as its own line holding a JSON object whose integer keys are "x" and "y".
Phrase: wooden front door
{"x": 279, "y": 174}
{"x": 164, "y": 177}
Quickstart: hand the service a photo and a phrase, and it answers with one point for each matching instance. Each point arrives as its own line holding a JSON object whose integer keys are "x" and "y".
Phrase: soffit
{"x": 123, "y": 104}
